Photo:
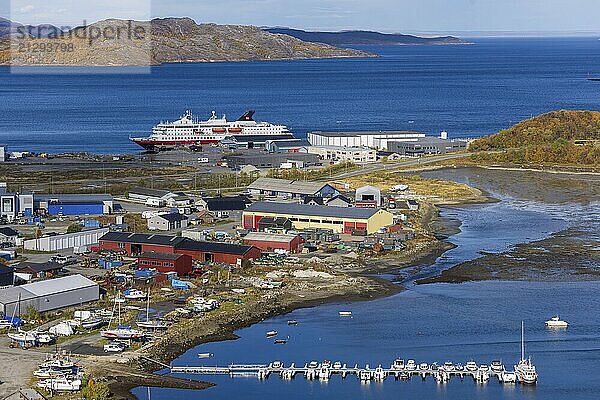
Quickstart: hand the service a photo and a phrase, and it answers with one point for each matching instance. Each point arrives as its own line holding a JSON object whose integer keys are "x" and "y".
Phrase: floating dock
{"x": 325, "y": 370}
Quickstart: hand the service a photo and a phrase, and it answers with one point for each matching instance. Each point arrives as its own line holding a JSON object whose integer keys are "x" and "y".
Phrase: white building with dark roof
{"x": 291, "y": 188}
{"x": 375, "y": 140}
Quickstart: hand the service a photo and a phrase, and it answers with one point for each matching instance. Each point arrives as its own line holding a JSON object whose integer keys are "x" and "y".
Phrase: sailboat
{"x": 150, "y": 324}
{"x": 121, "y": 332}
{"x": 525, "y": 370}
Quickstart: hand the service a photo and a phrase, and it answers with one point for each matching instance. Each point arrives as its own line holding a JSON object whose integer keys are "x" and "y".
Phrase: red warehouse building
{"x": 166, "y": 262}
{"x": 273, "y": 241}
{"x": 134, "y": 244}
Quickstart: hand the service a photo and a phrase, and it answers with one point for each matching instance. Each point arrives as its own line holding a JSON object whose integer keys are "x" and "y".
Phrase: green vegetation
{"x": 558, "y": 137}
{"x": 95, "y": 390}
{"x": 74, "y": 228}
{"x": 300, "y": 174}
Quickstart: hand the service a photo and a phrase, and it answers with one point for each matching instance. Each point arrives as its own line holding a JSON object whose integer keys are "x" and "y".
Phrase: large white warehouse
{"x": 377, "y": 140}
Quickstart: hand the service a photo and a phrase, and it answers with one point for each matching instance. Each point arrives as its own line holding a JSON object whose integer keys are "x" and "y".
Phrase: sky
{"x": 475, "y": 17}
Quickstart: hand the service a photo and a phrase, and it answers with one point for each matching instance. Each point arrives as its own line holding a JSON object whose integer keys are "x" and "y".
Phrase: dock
{"x": 326, "y": 370}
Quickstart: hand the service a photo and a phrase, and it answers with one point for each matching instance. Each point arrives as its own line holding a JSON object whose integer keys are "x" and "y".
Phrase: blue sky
{"x": 414, "y": 16}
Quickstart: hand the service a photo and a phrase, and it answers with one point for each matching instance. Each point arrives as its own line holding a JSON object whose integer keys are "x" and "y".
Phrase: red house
{"x": 166, "y": 262}
{"x": 274, "y": 241}
{"x": 134, "y": 244}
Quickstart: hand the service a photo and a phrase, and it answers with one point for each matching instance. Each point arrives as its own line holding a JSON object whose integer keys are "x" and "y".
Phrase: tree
{"x": 74, "y": 228}
{"x": 95, "y": 390}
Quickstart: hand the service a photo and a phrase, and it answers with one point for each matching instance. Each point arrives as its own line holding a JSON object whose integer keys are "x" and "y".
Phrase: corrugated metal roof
{"x": 65, "y": 198}
{"x": 269, "y": 237}
{"x": 317, "y": 211}
{"x": 213, "y": 247}
{"x": 334, "y": 134}
{"x": 287, "y": 186}
{"x": 58, "y": 285}
{"x": 11, "y": 295}
{"x": 125, "y": 237}
{"x": 160, "y": 256}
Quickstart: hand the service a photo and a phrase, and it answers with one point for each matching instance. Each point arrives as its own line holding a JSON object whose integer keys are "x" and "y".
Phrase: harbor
{"x": 398, "y": 370}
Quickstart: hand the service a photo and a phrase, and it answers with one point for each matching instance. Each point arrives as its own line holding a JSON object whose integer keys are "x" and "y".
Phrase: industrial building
{"x": 135, "y": 244}
{"x": 376, "y": 140}
{"x": 167, "y": 222}
{"x": 65, "y": 241}
{"x": 338, "y": 219}
{"x": 160, "y": 198}
{"x": 426, "y": 146}
{"x": 274, "y": 160}
{"x": 73, "y": 204}
{"x": 342, "y": 153}
{"x": 257, "y": 141}
{"x": 286, "y": 146}
{"x": 368, "y": 197}
{"x": 275, "y": 241}
{"x": 14, "y": 205}
{"x": 48, "y": 295}
{"x": 29, "y": 270}
{"x": 166, "y": 262}
{"x": 290, "y": 188}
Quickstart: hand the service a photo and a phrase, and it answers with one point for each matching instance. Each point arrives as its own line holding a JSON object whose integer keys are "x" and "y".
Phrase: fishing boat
{"x": 398, "y": 364}
{"x": 508, "y": 377}
{"x": 471, "y": 366}
{"x": 556, "y": 322}
{"x": 524, "y": 370}
{"x": 411, "y": 365}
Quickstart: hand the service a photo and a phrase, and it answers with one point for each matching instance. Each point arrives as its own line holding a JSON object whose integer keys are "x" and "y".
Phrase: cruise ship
{"x": 189, "y": 131}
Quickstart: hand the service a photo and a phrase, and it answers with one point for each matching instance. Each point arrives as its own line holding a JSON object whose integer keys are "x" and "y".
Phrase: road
{"x": 379, "y": 166}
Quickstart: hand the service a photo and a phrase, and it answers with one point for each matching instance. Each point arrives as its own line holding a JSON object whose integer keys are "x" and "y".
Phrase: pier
{"x": 325, "y": 370}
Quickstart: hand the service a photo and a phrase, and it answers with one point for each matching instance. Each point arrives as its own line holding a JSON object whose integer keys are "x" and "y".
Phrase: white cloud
{"x": 27, "y": 9}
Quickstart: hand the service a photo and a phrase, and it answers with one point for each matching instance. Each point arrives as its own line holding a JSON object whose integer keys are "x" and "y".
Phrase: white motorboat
{"x": 497, "y": 366}
{"x": 134, "y": 294}
{"x": 337, "y": 365}
{"x": 20, "y": 336}
{"x": 423, "y": 366}
{"x": 398, "y": 364}
{"x": 379, "y": 374}
{"x": 448, "y": 366}
{"x": 471, "y": 366}
{"x": 525, "y": 371}
{"x": 123, "y": 332}
{"x": 58, "y": 363}
{"x": 508, "y": 377}
{"x": 411, "y": 365}
{"x": 345, "y": 313}
{"x": 313, "y": 365}
{"x": 271, "y": 333}
{"x": 205, "y": 355}
{"x": 44, "y": 338}
{"x": 46, "y": 373}
{"x": 60, "y": 384}
{"x": 93, "y": 322}
{"x": 276, "y": 364}
{"x": 365, "y": 375}
{"x": 556, "y": 322}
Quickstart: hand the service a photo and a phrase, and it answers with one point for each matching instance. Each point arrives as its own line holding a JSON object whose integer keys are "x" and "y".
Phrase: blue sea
{"x": 468, "y": 91}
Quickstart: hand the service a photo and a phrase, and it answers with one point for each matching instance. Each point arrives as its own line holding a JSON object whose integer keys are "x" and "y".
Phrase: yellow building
{"x": 338, "y": 219}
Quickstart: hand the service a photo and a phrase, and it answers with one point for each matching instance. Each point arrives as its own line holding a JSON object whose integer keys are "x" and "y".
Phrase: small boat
{"x": 345, "y": 313}
{"x": 398, "y": 364}
{"x": 60, "y": 384}
{"x": 471, "y": 366}
{"x": 555, "y": 322}
{"x": 292, "y": 322}
{"x": 508, "y": 377}
{"x": 313, "y": 364}
{"x": 123, "y": 332}
{"x": 92, "y": 322}
{"x": 205, "y": 355}
{"x": 235, "y": 130}
{"x": 134, "y": 294}
{"x": 337, "y": 365}
{"x": 219, "y": 130}
{"x": 459, "y": 367}
{"x": 44, "y": 338}
{"x": 423, "y": 366}
{"x": 449, "y": 367}
{"x": 280, "y": 341}
{"x": 411, "y": 365}
{"x": 484, "y": 368}
{"x": 497, "y": 366}
{"x": 277, "y": 364}
{"x": 58, "y": 363}
{"x": 152, "y": 324}
{"x": 272, "y": 333}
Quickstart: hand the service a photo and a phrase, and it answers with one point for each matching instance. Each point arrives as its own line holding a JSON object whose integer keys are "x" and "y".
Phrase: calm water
{"x": 466, "y": 90}
{"x": 430, "y": 323}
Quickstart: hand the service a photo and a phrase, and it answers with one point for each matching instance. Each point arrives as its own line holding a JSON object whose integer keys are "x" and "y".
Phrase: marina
{"x": 398, "y": 370}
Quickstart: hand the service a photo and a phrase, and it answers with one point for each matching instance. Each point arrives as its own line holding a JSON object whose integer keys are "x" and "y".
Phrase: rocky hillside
{"x": 558, "y": 137}
{"x": 353, "y": 38}
{"x": 170, "y": 40}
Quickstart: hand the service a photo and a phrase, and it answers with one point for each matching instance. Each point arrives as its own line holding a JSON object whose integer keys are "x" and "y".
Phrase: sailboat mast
{"x": 522, "y": 341}
{"x": 148, "y": 306}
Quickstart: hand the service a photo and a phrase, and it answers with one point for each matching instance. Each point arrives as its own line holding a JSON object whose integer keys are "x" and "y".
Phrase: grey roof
{"x": 58, "y": 285}
{"x": 287, "y": 186}
{"x": 366, "y": 133}
{"x": 290, "y": 142}
{"x": 160, "y": 256}
{"x": 125, "y": 237}
{"x": 6, "y": 231}
{"x": 38, "y": 267}
{"x": 149, "y": 192}
{"x": 317, "y": 211}
{"x": 11, "y": 295}
{"x": 270, "y": 237}
{"x": 213, "y": 247}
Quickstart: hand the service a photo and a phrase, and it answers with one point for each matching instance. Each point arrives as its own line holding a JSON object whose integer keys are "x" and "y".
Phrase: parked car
{"x": 114, "y": 347}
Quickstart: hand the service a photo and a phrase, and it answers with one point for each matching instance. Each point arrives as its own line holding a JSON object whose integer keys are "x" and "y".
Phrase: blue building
{"x": 74, "y": 204}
